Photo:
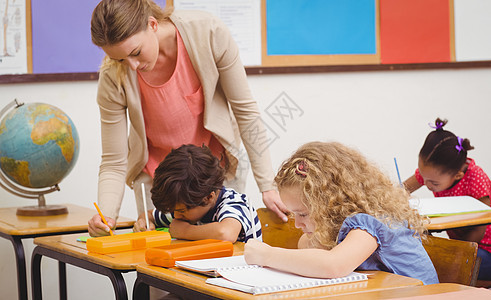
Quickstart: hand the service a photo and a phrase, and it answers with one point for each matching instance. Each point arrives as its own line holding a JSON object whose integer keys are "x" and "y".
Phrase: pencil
{"x": 398, "y": 175}
{"x": 253, "y": 222}
{"x": 103, "y": 219}
{"x": 145, "y": 206}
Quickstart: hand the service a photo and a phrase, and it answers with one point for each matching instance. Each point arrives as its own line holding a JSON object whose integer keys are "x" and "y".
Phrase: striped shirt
{"x": 230, "y": 204}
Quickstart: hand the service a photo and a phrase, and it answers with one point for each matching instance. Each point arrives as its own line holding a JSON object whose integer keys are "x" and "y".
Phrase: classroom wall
{"x": 385, "y": 114}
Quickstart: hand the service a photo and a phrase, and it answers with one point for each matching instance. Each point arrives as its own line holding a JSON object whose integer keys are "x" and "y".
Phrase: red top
{"x": 173, "y": 112}
{"x": 476, "y": 184}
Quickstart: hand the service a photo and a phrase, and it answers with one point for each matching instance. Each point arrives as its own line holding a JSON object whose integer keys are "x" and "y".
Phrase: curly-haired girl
{"x": 445, "y": 169}
{"x": 352, "y": 217}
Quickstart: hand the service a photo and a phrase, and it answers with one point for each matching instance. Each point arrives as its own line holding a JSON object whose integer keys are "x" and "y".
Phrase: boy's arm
{"x": 228, "y": 230}
{"x": 140, "y": 224}
{"x": 411, "y": 184}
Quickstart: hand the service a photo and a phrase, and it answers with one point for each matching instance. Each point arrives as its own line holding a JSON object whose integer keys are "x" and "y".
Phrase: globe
{"x": 39, "y": 145}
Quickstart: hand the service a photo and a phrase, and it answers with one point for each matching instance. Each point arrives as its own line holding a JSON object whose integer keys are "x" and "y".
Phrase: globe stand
{"x": 35, "y": 210}
{"x": 41, "y": 209}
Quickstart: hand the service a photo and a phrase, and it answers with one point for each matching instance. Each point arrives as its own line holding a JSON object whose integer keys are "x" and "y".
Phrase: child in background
{"x": 190, "y": 199}
{"x": 352, "y": 217}
{"x": 445, "y": 169}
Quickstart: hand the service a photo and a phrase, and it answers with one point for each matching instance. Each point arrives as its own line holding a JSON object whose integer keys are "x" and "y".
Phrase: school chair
{"x": 455, "y": 261}
{"x": 483, "y": 283}
{"x": 277, "y": 233}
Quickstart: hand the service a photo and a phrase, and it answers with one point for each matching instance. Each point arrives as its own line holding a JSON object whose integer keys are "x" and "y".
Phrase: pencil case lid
{"x": 166, "y": 256}
{"x": 128, "y": 241}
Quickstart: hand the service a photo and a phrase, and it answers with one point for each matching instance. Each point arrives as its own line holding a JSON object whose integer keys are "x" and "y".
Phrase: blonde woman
{"x": 178, "y": 78}
{"x": 352, "y": 216}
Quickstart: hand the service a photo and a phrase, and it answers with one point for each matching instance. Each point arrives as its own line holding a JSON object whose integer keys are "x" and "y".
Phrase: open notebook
{"x": 209, "y": 266}
{"x": 447, "y": 206}
{"x": 237, "y": 274}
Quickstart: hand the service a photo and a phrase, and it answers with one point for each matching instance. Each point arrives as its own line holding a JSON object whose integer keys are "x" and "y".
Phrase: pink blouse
{"x": 173, "y": 112}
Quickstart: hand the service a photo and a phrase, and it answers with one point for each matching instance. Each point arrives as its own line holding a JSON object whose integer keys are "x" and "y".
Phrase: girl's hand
{"x": 411, "y": 184}
{"x": 256, "y": 252}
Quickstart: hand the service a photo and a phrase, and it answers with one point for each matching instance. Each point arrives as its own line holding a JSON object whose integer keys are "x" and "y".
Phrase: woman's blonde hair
{"x": 338, "y": 182}
{"x": 113, "y": 21}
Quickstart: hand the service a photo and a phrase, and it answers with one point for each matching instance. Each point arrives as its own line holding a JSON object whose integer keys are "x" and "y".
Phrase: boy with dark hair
{"x": 190, "y": 199}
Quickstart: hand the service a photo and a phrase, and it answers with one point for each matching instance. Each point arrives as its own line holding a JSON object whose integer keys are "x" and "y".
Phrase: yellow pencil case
{"x": 128, "y": 241}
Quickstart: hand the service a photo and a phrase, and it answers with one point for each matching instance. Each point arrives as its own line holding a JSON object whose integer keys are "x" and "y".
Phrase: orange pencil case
{"x": 166, "y": 256}
{"x": 128, "y": 241}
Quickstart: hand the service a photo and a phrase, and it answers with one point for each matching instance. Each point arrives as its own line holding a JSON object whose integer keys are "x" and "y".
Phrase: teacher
{"x": 171, "y": 78}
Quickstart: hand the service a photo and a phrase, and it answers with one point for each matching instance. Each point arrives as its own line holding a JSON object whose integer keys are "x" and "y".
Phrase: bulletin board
{"x": 320, "y": 32}
{"x": 406, "y": 34}
{"x": 296, "y": 36}
{"x": 61, "y": 41}
{"x": 376, "y": 34}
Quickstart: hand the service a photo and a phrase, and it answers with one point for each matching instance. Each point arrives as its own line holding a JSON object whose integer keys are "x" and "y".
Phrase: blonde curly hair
{"x": 338, "y": 182}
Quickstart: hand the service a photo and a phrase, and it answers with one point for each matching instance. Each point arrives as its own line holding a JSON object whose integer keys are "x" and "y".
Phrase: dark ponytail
{"x": 444, "y": 150}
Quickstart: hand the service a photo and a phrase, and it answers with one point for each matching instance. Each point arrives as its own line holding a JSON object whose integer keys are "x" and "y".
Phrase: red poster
{"x": 414, "y": 31}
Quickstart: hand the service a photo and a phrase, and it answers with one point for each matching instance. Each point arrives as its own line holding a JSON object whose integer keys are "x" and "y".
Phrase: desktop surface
{"x": 195, "y": 282}
{"x": 76, "y": 220}
{"x": 456, "y": 221}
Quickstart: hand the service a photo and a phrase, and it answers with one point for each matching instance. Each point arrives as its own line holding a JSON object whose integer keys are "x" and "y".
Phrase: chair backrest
{"x": 276, "y": 232}
{"x": 455, "y": 261}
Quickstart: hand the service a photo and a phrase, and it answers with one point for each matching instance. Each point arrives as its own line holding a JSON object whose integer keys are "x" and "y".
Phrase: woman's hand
{"x": 256, "y": 252}
{"x": 273, "y": 201}
{"x": 98, "y": 228}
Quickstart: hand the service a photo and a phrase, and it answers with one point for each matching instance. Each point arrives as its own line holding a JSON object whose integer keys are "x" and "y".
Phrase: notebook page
{"x": 230, "y": 284}
{"x": 211, "y": 264}
{"x": 258, "y": 276}
{"x": 257, "y": 280}
{"x": 441, "y": 206}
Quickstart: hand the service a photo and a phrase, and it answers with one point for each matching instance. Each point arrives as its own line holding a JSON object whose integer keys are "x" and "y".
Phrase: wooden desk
{"x": 191, "y": 285}
{"x": 419, "y": 291}
{"x": 67, "y": 250}
{"x": 15, "y": 228}
{"x": 443, "y": 223}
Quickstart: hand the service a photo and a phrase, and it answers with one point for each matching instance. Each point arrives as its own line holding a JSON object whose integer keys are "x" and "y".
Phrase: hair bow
{"x": 301, "y": 169}
{"x": 459, "y": 146}
{"x": 439, "y": 125}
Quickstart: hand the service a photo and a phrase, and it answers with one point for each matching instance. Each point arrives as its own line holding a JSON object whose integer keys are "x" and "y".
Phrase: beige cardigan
{"x": 229, "y": 108}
